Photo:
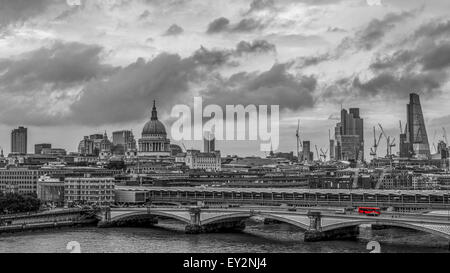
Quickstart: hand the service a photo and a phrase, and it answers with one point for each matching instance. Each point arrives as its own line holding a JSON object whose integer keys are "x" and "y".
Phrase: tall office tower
{"x": 332, "y": 150}
{"x": 306, "y": 153}
{"x": 39, "y": 147}
{"x": 404, "y": 147}
{"x": 209, "y": 142}
{"x": 417, "y": 133}
{"x": 19, "y": 140}
{"x": 123, "y": 141}
{"x": 349, "y": 136}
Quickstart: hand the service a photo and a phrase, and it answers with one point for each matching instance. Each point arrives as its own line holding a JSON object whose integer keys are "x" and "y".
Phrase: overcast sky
{"x": 72, "y": 70}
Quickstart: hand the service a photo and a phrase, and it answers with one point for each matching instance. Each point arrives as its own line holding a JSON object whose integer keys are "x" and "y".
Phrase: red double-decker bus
{"x": 369, "y": 211}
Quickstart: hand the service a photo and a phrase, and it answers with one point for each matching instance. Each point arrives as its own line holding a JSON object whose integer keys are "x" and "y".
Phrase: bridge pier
{"x": 348, "y": 233}
{"x": 195, "y": 227}
{"x": 315, "y": 232}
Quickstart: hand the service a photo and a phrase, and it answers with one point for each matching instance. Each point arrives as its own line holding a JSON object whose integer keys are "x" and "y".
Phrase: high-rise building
{"x": 306, "y": 153}
{"x": 39, "y": 147}
{"x": 349, "y": 135}
{"x": 19, "y": 140}
{"x": 123, "y": 141}
{"x": 209, "y": 142}
{"x": 332, "y": 150}
{"x": 417, "y": 133}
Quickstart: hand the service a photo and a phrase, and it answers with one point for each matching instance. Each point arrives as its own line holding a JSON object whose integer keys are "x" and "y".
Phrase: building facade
{"x": 204, "y": 161}
{"x": 417, "y": 133}
{"x": 349, "y": 136}
{"x": 123, "y": 141}
{"x": 39, "y": 147}
{"x": 19, "y": 138}
{"x": 89, "y": 190}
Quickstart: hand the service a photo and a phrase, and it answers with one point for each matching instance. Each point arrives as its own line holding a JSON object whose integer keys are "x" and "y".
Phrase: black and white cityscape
{"x": 224, "y": 126}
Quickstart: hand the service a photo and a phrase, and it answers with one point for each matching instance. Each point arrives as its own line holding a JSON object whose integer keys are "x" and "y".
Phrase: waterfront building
{"x": 51, "y": 190}
{"x": 417, "y": 133}
{"x": 39, "y": 147}
{"x": 204, "y": 161}
{"x": 154, "y": 141}
{"x": 54, "y": 151}
{"x": 89, "y": 190}
{"x": 23, "y": 180}
{"x": 19, "y": 138}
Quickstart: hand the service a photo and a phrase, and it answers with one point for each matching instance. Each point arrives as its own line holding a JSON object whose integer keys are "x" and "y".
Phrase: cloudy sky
{"x": 70, "y": 69}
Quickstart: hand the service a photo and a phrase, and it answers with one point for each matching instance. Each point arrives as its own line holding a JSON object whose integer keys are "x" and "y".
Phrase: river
{"x": 256, "y": 238}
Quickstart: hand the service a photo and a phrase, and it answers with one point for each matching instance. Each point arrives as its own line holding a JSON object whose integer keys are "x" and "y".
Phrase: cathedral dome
{"x": 154, "y": 126}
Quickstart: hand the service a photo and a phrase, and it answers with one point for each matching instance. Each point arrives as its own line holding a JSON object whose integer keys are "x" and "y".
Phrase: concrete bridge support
{"x": 315, "y": 232}
{"x": 195, "y": 227}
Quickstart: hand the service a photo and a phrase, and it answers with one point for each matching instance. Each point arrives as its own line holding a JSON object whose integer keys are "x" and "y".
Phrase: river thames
{"x": 256, "y": 238}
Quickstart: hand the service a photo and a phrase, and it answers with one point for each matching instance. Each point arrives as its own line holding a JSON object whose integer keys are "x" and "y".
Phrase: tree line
{"x": 17, "y": 203}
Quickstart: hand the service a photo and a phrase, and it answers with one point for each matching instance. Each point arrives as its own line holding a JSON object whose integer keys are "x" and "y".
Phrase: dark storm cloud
{"x": 257, "y": 5}
{"x": 144, "y": 15}
{"x": 13, "y": 11}
{"x": 128, "y": 94}
{"x": 211, "y": 58}
{"x": 433, "y": 30}
{"x": 438, "y": 58}
{"x": 61, "y": 64}
{"x": 303, "y": 62}
{"x": 218, "y": 25}
{"x": 421, "y": 64}
{"x": 43, "y": 77}
{"x": 174, "y": 30}
{"x": 257, "y": 46}
{"x": 220, "y": 57}
{"x": 245, "y": 25}
{"x": 375, "y": 31}
{"x": 273, "y": 87}
{"x": 397, "y": 60}
{"x": 399, "y": 85}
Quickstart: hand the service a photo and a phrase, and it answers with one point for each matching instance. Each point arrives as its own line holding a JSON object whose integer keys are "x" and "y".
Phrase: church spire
{"x": 154, "y": 112}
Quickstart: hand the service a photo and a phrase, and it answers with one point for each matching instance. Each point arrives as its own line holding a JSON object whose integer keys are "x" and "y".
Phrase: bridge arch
{"x": 152, "y": 213}
{"x": 438, "y": 231}
{"x": 247, "y": 215}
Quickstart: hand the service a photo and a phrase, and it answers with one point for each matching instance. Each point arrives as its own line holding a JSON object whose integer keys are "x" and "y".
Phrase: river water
{"x": 169, "y": 237}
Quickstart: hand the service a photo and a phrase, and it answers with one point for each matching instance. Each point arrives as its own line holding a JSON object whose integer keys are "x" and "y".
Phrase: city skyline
{"x": 354, "y": 112}
{"x": 66, "y": 72}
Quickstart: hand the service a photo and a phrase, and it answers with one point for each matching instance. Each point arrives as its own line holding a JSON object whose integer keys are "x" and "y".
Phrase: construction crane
{"x": 445, "y": 135}
{"x": 299, "y": 144}
{"x": 317, "y": 152}
{"x": 324, "y": 154}
{"x": 376, "y": 143}
{"x": 389, "y": 144}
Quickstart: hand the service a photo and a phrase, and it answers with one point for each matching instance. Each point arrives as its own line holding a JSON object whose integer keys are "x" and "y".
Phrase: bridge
{"x": 47, "y": 219}
{"x": 317, "y": 224}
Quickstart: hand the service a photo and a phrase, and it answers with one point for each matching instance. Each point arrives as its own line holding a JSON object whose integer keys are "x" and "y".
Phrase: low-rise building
{"x": 89, "y": 190}
{"x": 204, "y": 161}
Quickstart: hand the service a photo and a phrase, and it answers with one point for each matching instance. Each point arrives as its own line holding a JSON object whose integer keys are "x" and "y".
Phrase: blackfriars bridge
{"x": 315, "y": 223}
